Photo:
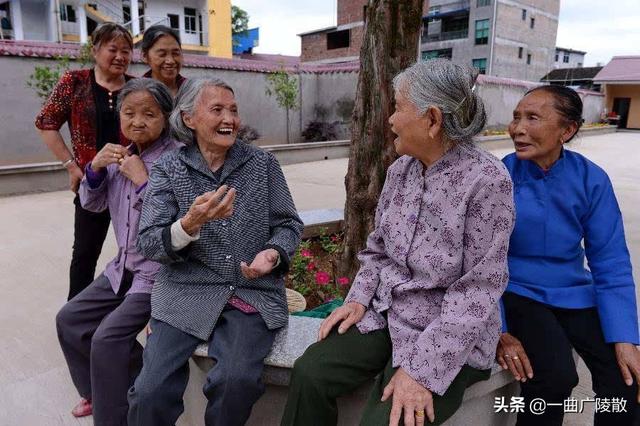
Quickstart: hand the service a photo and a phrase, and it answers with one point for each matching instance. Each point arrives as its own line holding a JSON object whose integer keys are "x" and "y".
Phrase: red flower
{"x": 322, "y": 278}
{"x": 343, "y": 281}
{"x": 305, "y": 253}
{"x": 334, "y": 238}
{"x": 311, "y": 266}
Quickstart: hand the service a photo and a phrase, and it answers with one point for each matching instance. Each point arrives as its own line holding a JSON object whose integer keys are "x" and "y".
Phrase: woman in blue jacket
{"x": 566, "y": 210}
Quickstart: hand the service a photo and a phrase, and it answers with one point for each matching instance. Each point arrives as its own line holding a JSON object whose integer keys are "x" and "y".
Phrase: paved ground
{"x": 35, "y": 388}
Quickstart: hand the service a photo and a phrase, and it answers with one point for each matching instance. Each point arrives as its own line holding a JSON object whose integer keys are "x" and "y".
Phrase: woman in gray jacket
{"x": 218, "y": 214}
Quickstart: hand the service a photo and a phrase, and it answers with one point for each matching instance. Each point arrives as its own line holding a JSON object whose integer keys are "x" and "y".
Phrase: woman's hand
{"x": 511, "y": 355}
{"x": 628, "y": 358}
{"x": 132, "y": 167}
{"x": 262, "y": 264}
{"x": 409, "y": 397}
{"x": 208, "y": 206}
{"x": 109, "y": 154}
{"x": 75, "y": 176}
{"x": 349, "y": 314}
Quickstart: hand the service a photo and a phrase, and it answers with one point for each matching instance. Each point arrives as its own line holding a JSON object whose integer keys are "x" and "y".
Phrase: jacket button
{"x": 228, "y": 257}
{"x": 231, "y": 288}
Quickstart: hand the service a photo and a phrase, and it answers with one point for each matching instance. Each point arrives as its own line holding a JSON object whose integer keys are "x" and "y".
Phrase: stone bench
{"x": 290, "y": 343}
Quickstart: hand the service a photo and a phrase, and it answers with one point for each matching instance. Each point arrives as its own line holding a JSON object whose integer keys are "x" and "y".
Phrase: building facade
{"x": 568, "y": 58}
{"x": 504, "y": 38}
{"x": 204, "y": 25}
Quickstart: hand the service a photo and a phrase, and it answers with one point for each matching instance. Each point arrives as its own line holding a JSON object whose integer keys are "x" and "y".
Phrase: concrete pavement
{"x": 36, "y": 232}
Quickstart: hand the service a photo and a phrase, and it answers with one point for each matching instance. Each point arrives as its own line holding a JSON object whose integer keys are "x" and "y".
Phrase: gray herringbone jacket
{"x": 195, "y": 283}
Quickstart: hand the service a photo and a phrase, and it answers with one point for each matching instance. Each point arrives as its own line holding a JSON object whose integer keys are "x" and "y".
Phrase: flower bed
{"x": 313, "y": 271}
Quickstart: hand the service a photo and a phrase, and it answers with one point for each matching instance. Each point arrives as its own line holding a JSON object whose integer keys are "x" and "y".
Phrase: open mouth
{"x": 225, "y": 131}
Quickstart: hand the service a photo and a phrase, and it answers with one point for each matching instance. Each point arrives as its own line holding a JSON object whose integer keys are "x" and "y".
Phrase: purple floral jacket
{"x": 436, "y": 262}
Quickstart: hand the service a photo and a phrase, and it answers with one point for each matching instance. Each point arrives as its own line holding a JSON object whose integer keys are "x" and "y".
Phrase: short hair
{"x": 186, "y": 101}
{"x": 449, "y": 87}
{"x": 158, "y": 91}
{"x": 566, "y": 102}
{"x": 108, "y": 31}
{"x": 153, "y": 33}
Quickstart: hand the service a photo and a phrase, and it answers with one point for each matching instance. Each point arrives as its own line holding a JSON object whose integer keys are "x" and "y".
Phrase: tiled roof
{"x": 260, "y": 63}
{"x": 620, "y": 68}
{"x": 572, "y": 74}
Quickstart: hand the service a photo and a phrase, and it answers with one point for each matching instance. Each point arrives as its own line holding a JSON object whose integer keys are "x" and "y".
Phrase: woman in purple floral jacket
{"x": 425, "y": 301}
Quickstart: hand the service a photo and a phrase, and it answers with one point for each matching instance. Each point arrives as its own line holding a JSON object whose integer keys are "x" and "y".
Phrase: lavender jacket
{"x": 112, "y": 190}
{"x": 436, "y": 262}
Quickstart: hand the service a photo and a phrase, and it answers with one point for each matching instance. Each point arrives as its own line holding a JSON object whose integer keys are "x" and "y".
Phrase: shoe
{"x": 83, "y": 408}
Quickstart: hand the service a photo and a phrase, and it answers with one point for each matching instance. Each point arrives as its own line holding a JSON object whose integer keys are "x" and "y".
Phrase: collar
{"x": 449, "y": 158}
{"x": 537, "y": 172}
{"x": 237, "y": 155}
{"x": 152, "y": 153}
{"x": 179, "y": 79}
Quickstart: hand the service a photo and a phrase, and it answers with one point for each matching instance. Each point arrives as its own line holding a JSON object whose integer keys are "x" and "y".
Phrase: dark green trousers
{"x": 340, "y": 364}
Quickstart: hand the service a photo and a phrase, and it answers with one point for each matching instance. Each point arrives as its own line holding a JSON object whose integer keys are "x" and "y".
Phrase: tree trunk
{"x": 287, "y": 111}
{"x": 390, "y": 44}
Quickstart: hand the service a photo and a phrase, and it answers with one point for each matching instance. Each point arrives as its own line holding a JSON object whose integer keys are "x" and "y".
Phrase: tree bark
{"x": 390, "y": 44}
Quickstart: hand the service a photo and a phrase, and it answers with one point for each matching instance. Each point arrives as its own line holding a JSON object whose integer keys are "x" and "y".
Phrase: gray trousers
{"x": 97, "y": 330}
{"x": 239, "y": 343}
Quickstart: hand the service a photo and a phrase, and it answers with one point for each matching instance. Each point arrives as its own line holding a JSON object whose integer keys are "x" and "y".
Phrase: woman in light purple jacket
{"x": 425, "y": 301}
{"x": 97, "y": 329}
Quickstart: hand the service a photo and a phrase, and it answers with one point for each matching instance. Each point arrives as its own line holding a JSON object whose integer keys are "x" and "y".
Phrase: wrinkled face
{"x": 141, "y": 118}
{"x": 538, "y": 130}
{"x": 164, "y": 58}
{"x": 215, "y": 120}
{"x": 113, "y": 56}
{"x": 409, "y": 125}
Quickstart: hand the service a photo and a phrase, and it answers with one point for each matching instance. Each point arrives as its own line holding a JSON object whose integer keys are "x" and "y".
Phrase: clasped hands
{"x": 215, "y": 205}
{"x": 130, "y": 165}
{"x": 410, "y": 400}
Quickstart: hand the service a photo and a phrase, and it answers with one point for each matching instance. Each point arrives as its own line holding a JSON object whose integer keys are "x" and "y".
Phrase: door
{"x": 621, "y": 107}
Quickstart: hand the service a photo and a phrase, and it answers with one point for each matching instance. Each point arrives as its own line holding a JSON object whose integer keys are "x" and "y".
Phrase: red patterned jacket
{"x": 72, "y": 101}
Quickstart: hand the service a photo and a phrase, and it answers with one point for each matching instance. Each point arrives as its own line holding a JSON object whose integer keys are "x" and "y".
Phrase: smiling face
{"x": 410, "y": 126}
{"x": 164, "y": 59}
{"x": 538, "y": 130}
{"x": 215, "y": 120}
{"x": 141, "y": 118}
{"x": 113, "y": 56}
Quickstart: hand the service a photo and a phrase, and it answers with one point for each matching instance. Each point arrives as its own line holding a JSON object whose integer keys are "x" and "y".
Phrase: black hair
{"x": 153, "y": 33}
{"x": 567, "y": 103}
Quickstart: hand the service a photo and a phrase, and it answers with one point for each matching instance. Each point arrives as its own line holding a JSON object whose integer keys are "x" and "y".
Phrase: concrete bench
{"x": 291, "y": 342}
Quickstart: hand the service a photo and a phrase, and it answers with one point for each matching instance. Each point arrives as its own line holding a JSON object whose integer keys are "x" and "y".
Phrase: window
{"x": 438, "y": 53}
{"x": 338, "y": 39}
{"x": 524, "y": 14}
{"x": 190, "y": 20}
{"x": 174, "y": 21}
{"x": 481, "y": 3}
{"x": 481, "y": 65}
{"x": 532, "y": 23}
{"x": 482, "y": 31}
{"x": 579, "y": 64}
{"x": 556, "y": 57}
{"x": 565, "y": 58}
{"x": 528, "y": 58}
{"x": 67, "y": 13}
{"x": 433, "y": 10}
{"x": 520, "y": 49}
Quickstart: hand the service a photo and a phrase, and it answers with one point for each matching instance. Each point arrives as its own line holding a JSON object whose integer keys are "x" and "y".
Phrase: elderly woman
{"x": 219, "y": 216}
{"x": 162, "y": 51}
{"x": 97, "y": 329}
{"x": 553, "y": 304}
{"x": 425, "y": 300}
{"x": 86, "y": 100}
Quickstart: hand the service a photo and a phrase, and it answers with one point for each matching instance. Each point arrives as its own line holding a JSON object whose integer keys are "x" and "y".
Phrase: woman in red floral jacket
{"x": 86, "y": 100}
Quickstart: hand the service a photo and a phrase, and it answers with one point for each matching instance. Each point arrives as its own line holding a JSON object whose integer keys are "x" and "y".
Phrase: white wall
{"x": 34, "y": 19}
{"x": 158, "y": 9}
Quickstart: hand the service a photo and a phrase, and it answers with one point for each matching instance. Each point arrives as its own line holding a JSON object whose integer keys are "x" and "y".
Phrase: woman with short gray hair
{"x": 425, "y": 300}
{"x": 219, "y": 216}
{"x": 97, "y": 329}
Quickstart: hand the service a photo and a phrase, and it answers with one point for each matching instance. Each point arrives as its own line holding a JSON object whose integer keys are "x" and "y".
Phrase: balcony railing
{"x": 448, "y": 35}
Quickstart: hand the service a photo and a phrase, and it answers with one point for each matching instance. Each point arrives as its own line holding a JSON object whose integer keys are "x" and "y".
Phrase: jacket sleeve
{"x": 373, "y": 258}
{"x": 57, "y": 109}
{"x": 159, "y": 211}
{"x": 284, "y": 223}
{"x": 610, "y": 265}
{"x": 471, "y": 301}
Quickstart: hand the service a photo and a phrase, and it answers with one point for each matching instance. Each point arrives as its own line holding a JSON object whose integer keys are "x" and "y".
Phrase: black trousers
{"x": 239, "y": 343}
{"x": 89, "y": 232}
{"x": 548, "y": 335}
